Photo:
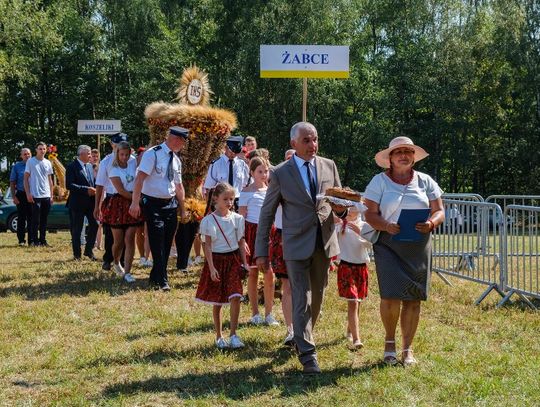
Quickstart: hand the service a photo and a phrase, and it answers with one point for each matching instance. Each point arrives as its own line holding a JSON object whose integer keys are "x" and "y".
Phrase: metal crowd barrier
{"x": 522, "y": 275}
{"x": 470, "y": 244}
{"x": 463, "y": 197}
{"x": 505, "y": 200}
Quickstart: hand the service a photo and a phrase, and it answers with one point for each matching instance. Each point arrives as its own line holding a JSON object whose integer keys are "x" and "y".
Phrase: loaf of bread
{"x": 343, "y": 193}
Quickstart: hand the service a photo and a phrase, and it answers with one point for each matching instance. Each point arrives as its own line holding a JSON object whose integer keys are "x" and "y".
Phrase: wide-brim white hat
{"x": 382, "y": 158}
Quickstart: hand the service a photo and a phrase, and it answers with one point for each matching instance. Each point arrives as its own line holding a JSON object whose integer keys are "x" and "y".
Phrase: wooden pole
{"x": 304, "y": 101}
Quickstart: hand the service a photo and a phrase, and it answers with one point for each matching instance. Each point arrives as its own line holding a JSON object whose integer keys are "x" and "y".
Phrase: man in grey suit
{"x": 309, "y": 239}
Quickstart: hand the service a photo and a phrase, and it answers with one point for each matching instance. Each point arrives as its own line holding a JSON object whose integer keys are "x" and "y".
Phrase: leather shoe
{"x": 311, "y": 367}
{"x": 91, "y": 257}
{"x": 106, "y": 266}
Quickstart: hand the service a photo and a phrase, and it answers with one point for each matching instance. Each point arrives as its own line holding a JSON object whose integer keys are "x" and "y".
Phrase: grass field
{"x": 73, "y": 335}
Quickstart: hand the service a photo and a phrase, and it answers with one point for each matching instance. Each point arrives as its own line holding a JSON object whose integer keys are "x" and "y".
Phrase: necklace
{"x": 401, "y": 181}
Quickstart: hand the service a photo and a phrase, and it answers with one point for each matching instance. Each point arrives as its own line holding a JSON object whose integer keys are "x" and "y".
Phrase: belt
{"x": 160, "y": 200}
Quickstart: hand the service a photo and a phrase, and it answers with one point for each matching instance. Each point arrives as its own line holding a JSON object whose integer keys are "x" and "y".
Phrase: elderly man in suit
{"x": 81, "y": 184}
{"x": 309, "y": 239}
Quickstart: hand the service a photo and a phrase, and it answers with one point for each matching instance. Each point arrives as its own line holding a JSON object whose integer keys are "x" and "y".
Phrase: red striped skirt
{"x": 352, "y": 281}
{"x": 115, "y": 212}
{"x": 276, "y": 254}
{"x": 229, "y": 284}
{"x": 250, "y": 234}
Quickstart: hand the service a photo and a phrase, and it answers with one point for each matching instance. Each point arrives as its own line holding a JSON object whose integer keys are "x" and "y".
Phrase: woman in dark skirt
{"x": 403, "y": 268}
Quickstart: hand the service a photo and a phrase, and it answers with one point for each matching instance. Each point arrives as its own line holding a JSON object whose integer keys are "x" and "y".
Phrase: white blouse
{"x": 254, "y": 202}
{"x": 393, "y": 197}
{"x": 126, "y": 175}
{"x": 232, "y": 226}
{"x": 353, "y": 247}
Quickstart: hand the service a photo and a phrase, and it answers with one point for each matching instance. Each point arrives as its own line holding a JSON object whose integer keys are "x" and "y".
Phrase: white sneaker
{"x": 198, "y": 260}
{"x": 190, "y": 262}
{"x": 270, "y": 320}
{"x": 149, "y": 263}
{"x": 142, "y": 261}
{"x": 256, "y": 320}
{"x": 129, "y": 278}
{"x": 118, "y": 270}
{"x": 289, "y": 339}
{"x": 221, "y": 343}
{"x": 235, "y": 342}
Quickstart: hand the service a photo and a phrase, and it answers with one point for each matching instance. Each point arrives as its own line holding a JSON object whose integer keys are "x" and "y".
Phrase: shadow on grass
{"x": 74, "y": 283}
{"x": 236, "y": 384}
{"x": 181, "y": 330}
{"x": 514, "y": 303}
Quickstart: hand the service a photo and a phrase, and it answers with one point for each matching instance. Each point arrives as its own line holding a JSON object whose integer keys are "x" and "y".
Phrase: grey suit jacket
{"x": 301, "y": 217}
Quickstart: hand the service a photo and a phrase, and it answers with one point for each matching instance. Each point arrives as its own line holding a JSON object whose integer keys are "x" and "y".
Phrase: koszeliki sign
{"x": 98, "y": 126}
{"x": 304, "y": 61}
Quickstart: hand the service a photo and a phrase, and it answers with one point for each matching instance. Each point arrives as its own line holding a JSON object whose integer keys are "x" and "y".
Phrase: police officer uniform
{"x": 235, "y": 171}
{"x": 159, "y": 205}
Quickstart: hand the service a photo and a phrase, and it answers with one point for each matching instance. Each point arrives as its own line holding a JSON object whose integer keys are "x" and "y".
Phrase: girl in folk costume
{"x": 116, "y": 213}
{"x": 250, "y": 204}
{"x": 220, "y": 284}
{"x": 280, "y": 269}
{"x": 352, "y": 272}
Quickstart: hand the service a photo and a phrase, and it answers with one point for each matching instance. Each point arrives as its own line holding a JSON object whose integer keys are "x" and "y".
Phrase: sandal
{"x": 410, "y": 359}
{"x": 390, "y": 358}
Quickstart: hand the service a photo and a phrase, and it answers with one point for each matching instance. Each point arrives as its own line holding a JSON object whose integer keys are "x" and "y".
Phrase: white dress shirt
{"x": 154, "y": 163}
{"x": 219, "y": 172}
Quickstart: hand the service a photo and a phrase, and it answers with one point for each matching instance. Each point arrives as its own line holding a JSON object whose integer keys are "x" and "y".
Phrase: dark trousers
{"x": 185, "y": 235}
{"x": 76, "y": 218}
{"x": 109, "y": 241}
{"x": 24, "y": 214}
{"x": 40, "y": 213}
{"x": 161, "y": 221}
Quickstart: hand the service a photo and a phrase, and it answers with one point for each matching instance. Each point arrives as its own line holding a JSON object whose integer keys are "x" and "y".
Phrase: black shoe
{"x": 106, "y": 266}
{"x": 311, "y": 367}
{"x": 165, "y": 287}
{"x": 44, "y": 244}
{"x": 91, "y": 256}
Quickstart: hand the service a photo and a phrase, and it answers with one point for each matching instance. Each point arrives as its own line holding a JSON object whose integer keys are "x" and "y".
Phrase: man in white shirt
{"x": 38, "y": 185}
{"x": 228, "y": 168}
{"x": 158, "y": 186}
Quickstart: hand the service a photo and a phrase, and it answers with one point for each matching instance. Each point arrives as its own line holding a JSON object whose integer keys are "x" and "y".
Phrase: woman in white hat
{"x": 403, "y": 267}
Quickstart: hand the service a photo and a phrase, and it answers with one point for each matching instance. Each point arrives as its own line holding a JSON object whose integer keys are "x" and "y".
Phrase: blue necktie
{"x": 312, "y": 187}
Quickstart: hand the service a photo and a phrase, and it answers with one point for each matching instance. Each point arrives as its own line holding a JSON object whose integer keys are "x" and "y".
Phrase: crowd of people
{"x": 260, "y": 220}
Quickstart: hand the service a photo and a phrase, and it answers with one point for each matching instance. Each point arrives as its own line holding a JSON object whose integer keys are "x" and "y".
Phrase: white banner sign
{"x": 98, "y": 126}
{"x": 304, "y": 61}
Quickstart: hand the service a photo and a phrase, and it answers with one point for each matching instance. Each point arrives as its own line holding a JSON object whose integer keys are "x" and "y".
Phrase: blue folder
{"x": 407, "y": 221}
